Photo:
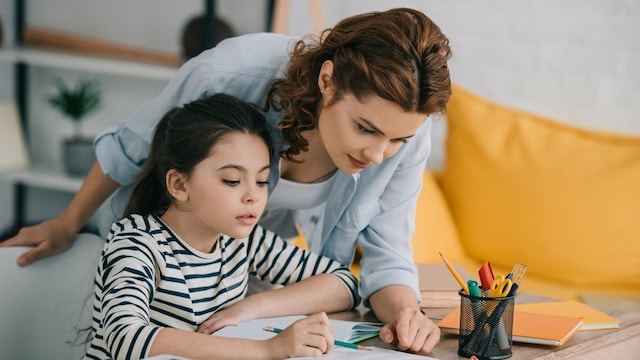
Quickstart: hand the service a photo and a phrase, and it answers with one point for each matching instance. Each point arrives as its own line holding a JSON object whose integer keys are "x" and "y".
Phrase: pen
{"x": 455, "y": 273}
{"x": 335, "y": 342}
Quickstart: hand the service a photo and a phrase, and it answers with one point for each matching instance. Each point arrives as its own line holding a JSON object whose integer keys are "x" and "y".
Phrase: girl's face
{"x": 227, "y": 191}
{"x": 357, "y": 134}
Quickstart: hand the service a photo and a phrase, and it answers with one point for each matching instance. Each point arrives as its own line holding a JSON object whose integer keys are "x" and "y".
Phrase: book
{"x": 593, "y": 319}
{"x": 438, "y": 287}
{"x": 13, "y": 147}
{"x": 350, "y": 331}
{"x": 533, "y": 328}
{"x": 343, "y": 330}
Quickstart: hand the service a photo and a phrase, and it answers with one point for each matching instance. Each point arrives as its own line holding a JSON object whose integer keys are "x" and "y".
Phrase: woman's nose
{"x": 375, "y": 153}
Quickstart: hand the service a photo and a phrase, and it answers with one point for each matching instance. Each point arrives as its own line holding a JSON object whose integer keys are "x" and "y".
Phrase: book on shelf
{"x": 533, "y": 328}
{"x": 13, "y": 147}
{"x": 438, "y": 287}
{"x": 593, "y": 319}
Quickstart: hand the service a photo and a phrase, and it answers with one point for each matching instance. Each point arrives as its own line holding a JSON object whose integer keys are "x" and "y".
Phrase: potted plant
{"x": 75, "y": 104}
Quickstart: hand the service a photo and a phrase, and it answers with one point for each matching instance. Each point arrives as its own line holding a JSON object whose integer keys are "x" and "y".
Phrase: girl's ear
{"x": 177, "y": 185}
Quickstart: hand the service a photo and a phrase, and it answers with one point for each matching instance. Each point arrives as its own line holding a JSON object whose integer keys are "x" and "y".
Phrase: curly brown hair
{"x": 399, "y": 55}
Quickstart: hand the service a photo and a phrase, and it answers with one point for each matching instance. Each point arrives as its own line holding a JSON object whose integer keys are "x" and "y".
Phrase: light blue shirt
{"x": 374, "y": 208}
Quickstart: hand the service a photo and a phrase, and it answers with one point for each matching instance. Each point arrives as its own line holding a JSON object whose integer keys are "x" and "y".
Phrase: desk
{"x": 620, "y": 343}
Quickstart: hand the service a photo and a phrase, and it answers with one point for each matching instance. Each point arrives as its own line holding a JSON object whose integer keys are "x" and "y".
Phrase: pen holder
{"x": 486, "y": 326}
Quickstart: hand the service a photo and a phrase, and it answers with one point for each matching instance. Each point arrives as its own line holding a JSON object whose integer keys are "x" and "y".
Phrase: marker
{"x": 335, "y": 342}
{"x": 474, "y": 289}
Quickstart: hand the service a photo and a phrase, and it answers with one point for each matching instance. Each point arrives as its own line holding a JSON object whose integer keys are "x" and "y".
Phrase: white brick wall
{"x": 575, "y": 61}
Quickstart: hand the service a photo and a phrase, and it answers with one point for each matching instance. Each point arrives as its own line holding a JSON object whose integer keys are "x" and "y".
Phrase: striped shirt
{"x": 148, "y": 278}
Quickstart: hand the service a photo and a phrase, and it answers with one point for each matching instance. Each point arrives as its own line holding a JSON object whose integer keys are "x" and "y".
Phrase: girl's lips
{"x": 356, "y": 163}
{"x": 247, "y": 219}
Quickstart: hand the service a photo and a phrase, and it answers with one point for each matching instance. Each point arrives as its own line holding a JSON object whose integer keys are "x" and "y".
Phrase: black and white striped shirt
{"x": 148, "y": 279}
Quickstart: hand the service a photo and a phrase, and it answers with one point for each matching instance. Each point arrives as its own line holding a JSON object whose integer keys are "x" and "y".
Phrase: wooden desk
{"x": 623, "y": 343}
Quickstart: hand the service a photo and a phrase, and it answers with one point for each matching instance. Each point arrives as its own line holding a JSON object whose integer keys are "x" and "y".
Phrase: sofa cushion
{"x": 435, "y": 230}
{"x": 564, "y": 201}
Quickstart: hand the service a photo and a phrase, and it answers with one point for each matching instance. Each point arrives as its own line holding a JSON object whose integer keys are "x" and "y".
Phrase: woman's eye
{"x": 231, "y": 182}
{"x": 364, "y": 130}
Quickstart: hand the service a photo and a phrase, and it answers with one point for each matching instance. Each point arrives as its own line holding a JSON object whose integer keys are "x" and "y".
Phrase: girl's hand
{"x": 232, "y": 315}
{"x": 311, "y": 336}
{"x": 411, "y": 330}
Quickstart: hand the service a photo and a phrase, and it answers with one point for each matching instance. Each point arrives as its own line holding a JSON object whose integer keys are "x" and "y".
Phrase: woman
{"x": 352, "y": 141}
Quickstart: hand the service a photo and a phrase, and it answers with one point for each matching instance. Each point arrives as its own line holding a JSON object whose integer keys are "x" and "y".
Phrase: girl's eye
{"x": 231, "y": 182}
{"x": 364, "y": 130}
{"x": 263, "y": 183}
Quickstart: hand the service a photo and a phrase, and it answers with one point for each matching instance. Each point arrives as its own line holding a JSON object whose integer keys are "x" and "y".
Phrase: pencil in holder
{"x": 486, "y": 326}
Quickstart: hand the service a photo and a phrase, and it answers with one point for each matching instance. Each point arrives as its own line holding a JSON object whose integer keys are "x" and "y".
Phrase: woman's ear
{"x": 177, "y": 185}
{"x": 324, "y": 78}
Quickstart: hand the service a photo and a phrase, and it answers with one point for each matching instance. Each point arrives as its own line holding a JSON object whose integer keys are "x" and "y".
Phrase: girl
{"x": 353, "y": 109}
{"x": 189, "y": 239}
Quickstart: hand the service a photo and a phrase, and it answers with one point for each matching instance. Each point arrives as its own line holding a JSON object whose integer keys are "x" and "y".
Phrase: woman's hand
{"x": 411, "y": 330}
{"x": 311, "y": 336}
{"x": 49, "y": 238}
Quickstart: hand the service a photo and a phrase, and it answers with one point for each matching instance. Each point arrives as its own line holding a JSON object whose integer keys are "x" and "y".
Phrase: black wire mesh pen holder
{"x": 486, "y": 326}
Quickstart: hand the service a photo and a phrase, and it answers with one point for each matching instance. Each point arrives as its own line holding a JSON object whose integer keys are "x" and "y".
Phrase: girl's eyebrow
{"x": 241, "y": 168}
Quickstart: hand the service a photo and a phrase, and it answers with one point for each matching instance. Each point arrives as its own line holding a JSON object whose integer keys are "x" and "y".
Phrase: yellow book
{"x": 592, "y": 318}
{"x": 543, "y": 329}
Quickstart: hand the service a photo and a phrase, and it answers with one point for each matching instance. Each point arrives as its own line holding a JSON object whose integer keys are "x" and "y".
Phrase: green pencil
{"x": 335, "y": 342}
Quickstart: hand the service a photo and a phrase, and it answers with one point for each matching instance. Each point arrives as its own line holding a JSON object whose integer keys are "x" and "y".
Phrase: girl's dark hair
{"x": 399, "y": 55}
{"x": 184, "y": 137}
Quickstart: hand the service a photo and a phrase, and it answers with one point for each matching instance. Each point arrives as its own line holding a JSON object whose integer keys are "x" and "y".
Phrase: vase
{"x": 78, "y": 156}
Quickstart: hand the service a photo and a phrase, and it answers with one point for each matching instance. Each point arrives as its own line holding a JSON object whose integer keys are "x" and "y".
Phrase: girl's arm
{"x": 314, "y": 283}
{"x": 311, "y": 336}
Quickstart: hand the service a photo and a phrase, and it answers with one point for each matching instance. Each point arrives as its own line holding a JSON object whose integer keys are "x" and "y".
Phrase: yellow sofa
{"x": 516, "y": 187}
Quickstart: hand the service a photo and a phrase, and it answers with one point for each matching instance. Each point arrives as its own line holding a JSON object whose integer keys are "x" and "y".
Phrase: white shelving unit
{"x": 52, "y": 176}
{"x": 91, "y": 64}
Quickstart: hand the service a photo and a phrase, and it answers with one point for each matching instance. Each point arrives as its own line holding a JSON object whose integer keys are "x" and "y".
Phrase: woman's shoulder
{"x": 261, "y": 50}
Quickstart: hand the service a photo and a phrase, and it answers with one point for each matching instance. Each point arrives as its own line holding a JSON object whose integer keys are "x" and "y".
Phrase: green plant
{"x": 76, "y": 102}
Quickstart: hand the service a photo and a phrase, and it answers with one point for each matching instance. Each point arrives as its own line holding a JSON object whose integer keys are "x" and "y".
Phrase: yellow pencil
{"x": 454, "y": 273}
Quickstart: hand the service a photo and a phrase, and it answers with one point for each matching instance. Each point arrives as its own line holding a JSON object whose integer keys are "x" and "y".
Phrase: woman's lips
{"x": 356, "y": 163}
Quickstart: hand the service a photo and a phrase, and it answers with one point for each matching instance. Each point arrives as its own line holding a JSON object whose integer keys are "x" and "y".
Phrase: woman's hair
{"x": 399, "y": 55}
{"x": 184, "y": 137}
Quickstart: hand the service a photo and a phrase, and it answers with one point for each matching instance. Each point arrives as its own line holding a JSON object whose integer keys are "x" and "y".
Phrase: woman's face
{"x": 357, "y": 134}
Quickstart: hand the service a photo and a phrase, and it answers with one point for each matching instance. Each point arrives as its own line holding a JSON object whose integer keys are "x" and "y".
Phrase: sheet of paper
{"x": 252, "y": 329}
{"x": 340, "y": 353}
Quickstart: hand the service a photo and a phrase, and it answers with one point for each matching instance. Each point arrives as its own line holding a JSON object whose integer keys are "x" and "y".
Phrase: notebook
{"x": 438, "y": 287}
{"x": 531, "y": 328}
{"x": 350, "y": 331}
{"x": 592, "y": 318}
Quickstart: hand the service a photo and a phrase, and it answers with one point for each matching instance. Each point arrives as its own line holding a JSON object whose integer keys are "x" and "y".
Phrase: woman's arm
{"x": 56, "y": 235}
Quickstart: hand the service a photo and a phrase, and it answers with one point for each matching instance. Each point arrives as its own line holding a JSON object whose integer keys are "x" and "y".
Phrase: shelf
{"x": 75, "y": 62}
{"x": 50, "y": 177}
